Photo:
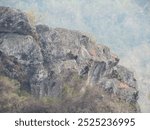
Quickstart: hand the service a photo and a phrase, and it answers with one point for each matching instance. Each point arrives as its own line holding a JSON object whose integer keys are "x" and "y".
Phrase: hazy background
{"x": 122, "y": 25}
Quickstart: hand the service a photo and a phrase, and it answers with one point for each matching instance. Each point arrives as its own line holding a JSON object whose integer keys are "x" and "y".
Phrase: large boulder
{"x": 14, "y": 21}
{"x": 27, "y": 55}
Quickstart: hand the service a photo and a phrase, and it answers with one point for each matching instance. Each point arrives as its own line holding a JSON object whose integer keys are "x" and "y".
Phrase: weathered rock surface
{"x": 14, "y": 21}
{"x": 41, "y": 66}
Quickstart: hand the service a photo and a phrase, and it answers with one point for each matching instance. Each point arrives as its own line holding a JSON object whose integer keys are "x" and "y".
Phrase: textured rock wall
{"x": 40, "y": 57}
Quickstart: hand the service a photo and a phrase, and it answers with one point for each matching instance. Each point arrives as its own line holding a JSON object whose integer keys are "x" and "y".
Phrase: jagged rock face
{"x": 27, "y": 55}
{"x": 41, "y": 66}
{"x": 65, "y": 50}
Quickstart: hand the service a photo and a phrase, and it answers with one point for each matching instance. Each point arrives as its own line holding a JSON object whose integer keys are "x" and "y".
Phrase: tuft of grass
{"x": 32, "y": 17}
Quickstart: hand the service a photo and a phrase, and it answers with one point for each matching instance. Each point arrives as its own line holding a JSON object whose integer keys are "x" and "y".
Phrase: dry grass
{"x": 94, "y": 99}
{"x": 32, "y": 17}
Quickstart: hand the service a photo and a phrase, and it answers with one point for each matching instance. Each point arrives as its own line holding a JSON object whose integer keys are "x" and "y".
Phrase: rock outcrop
{"x": 14, "y": 21}
{"x": 41, "y": 66}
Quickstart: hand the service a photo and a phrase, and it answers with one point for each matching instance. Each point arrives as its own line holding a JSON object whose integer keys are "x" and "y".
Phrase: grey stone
{"x": 27, "y": 54}
{"x": 97, "y": 71}
{"x": 124, "y": 75}
{"x": 121, "y": 89}
{"x": 42, "y": 28}
{"x": 43, "y": 65}
{"x": 14, "y": 21}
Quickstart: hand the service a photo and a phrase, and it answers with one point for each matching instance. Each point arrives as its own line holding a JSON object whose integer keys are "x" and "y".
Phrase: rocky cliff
{"x": 43, "y": 60}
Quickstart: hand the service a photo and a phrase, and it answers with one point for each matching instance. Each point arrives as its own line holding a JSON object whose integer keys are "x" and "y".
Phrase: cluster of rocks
{"x": 39, "y": 56}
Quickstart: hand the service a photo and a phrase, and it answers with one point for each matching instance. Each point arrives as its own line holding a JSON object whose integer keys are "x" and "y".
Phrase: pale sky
{"x": 117, "y": 23}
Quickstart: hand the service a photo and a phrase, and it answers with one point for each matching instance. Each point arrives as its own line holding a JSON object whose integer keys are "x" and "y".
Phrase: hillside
{"x": 45, "y": 69}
